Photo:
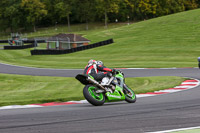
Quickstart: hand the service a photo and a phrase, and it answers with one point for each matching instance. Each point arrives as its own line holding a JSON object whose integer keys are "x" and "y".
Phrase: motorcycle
{"x": 115, "y": 89}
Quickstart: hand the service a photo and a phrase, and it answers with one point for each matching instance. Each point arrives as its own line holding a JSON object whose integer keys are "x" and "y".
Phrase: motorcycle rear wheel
{"x": 92, "y": 97}
{"x": 130, "y": 96}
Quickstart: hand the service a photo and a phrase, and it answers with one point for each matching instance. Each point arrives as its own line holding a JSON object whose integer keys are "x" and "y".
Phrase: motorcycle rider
{"x": 97, "y": 70}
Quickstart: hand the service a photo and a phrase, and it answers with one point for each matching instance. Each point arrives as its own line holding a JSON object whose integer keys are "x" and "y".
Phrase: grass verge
{"x": 21, "y": 89}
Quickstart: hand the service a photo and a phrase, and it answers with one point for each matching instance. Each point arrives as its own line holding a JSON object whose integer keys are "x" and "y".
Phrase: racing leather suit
{"x": 98, "y": 71}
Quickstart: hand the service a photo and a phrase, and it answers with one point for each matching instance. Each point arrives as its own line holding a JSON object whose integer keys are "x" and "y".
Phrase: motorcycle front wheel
{"x": 96, "y": 99}
{"x": 130, "y": 96}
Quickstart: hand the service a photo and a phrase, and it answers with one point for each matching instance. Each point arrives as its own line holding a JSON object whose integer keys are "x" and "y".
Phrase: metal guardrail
{"x": 25, "y": 41}
{"x": 20, "y": 47}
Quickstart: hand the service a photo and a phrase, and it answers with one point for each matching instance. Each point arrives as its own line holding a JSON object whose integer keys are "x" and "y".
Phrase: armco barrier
{"x": 23, "y": 46}
{"x": 67, "y": 51}
{"x": 25, "y": 41}
{"x": 3, "y": 41}
{"x": 20, "y": 47}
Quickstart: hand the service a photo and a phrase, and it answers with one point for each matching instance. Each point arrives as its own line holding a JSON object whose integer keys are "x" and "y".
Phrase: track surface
{"x": 163, "y": 112}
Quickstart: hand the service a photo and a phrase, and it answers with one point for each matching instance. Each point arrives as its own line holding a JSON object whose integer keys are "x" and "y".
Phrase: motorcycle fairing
{"x": 116, "y": 95}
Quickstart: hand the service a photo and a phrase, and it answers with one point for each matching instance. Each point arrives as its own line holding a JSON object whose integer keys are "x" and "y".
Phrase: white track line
{"x": 19, "y": 106}
{"x": 174, "y": 130}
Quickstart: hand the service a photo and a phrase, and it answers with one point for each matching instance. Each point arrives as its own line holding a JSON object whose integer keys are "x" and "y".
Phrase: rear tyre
{"x": 130, "y": 96}
{"x": 92, "y": 97}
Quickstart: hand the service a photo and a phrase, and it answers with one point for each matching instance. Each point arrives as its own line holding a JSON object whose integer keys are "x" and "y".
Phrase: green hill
{"x": 169, "y": 41}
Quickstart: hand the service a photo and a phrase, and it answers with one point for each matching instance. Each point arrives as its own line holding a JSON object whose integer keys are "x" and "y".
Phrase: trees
{"x": 63, "y": 10}
{"x": 34, "y": 11}
{"x": 10, "y": 14}
{"x": 3, "y": 20}
{"x": 23, "y": 14}
{"x": 166, "y": 7}
{"x": 85, "y": 11}
{"x": 147, "y": 8}
{"x": 190, "y": 4}
{"x": 126, "y": 10}
{"x": 107, "y": 6}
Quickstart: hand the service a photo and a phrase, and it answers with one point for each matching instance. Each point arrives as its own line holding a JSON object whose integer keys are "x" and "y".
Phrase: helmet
{"x": 100, "y": 62}
{"x": 92, "y": 61}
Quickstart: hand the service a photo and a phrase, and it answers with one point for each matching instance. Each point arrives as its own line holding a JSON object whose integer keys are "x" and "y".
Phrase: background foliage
{"x": 24, "y": 15}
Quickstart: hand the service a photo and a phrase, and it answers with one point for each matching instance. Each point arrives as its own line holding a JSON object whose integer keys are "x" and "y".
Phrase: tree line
{"x": 17, "y": 15}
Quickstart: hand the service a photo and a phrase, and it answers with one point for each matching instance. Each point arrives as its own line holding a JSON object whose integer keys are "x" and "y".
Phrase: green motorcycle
{"x": 114, "y": 90}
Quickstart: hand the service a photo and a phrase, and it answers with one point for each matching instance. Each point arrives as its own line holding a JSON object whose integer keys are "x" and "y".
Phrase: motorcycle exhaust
{"x": 96, "y": 83}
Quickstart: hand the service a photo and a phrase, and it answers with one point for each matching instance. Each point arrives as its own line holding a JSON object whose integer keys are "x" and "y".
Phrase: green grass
{"x": 2, "y": 44}
{"x": 20, "y": 89}
{"x": 74, "y": 28}
{"x": 169, "y": 41}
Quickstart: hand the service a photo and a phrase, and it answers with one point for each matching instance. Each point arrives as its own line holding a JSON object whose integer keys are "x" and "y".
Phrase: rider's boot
{"x": 105, "y": 81}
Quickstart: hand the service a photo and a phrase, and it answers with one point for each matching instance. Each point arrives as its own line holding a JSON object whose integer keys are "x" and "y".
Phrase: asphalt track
{"x": 148, "y": 114}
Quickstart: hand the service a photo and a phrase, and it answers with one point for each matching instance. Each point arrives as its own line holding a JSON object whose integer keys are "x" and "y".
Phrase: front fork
{"x": 127, "y": 90}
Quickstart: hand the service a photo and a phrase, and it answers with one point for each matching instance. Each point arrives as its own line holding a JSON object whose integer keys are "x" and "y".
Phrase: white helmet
{"x": 100, "y": 62}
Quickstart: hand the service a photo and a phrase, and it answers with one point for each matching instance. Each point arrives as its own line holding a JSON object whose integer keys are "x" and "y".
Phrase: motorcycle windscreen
{"x": 82, "y": 78}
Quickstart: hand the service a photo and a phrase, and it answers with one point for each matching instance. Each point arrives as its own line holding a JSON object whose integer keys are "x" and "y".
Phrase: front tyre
{"x": 92, "y": 97}
{"x": 130, "y": 96}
